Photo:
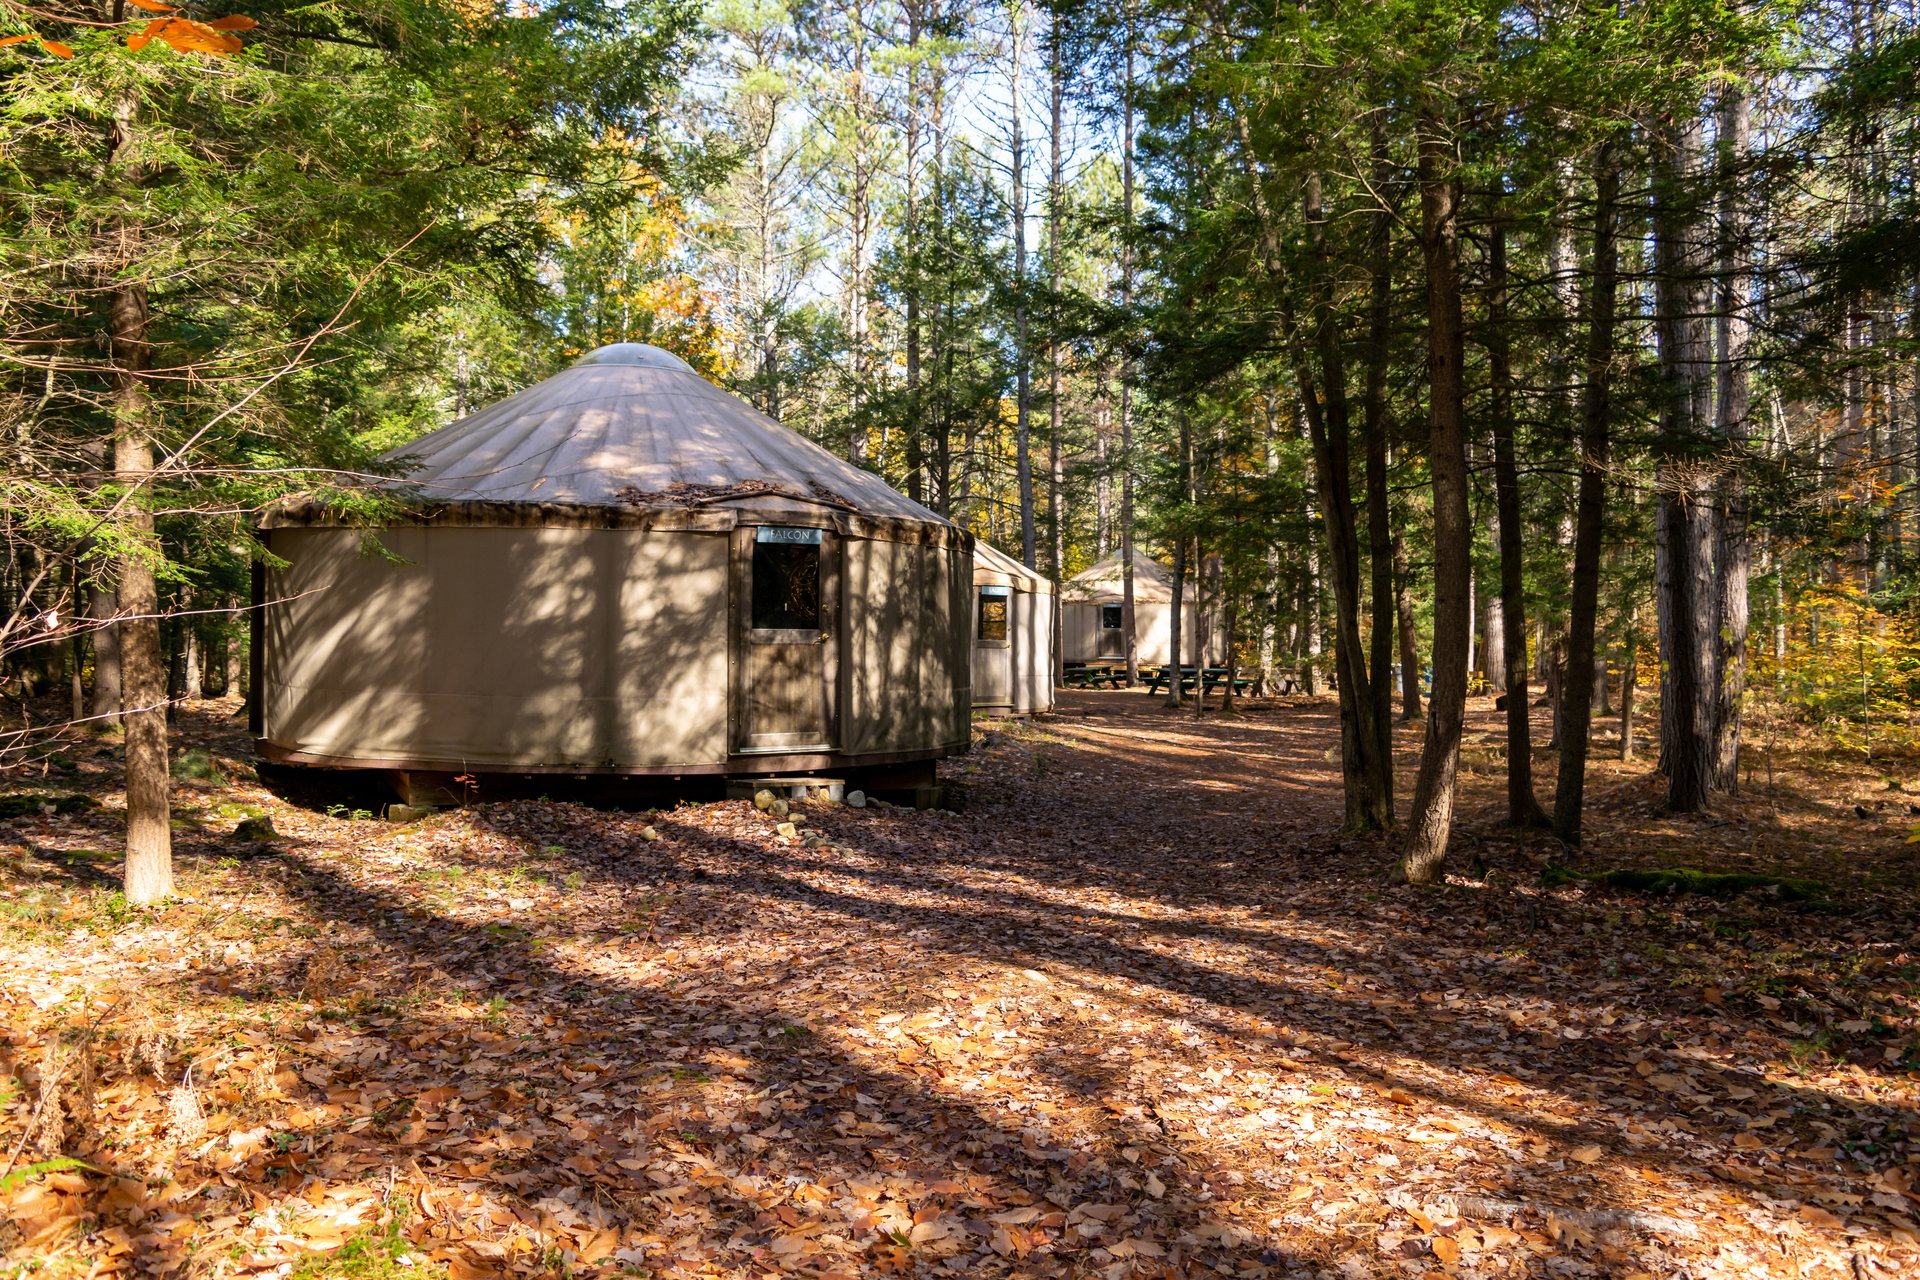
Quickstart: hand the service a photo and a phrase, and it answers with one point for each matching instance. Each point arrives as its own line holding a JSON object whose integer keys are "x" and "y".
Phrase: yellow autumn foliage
{"x": 1851, "y": 670}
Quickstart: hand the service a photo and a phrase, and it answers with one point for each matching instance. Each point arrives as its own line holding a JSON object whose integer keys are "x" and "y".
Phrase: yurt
{"x": 1091, "y": 622}
{"x": 620, "y": 570}
{"x": 1012, "y": 635}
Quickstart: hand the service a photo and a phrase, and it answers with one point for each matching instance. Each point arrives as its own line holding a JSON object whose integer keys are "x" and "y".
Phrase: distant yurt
{"x": 1091, "y": 623}
{"x": 1012, "y": 635}
{"x": 620, "y": 570}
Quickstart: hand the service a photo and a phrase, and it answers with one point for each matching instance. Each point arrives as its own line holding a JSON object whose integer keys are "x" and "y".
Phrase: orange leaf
{"x": 140, "y": 40}
{"x": 233, "y": 22}
{"x": 18, "y": 39}
{"x": 57, "y": 49}
{"x": 184, "y": 35}
{"x": 155, "y": 6}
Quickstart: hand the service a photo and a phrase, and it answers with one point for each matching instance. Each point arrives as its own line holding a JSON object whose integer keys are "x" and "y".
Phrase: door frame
{"x": 740, "y": 666}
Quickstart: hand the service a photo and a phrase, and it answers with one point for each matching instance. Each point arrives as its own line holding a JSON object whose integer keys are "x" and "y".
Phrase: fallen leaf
{"x": 1816, "y": 1216}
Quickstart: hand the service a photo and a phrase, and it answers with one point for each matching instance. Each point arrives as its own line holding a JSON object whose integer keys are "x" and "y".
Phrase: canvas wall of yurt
{"x": 621, "y": 570}
{"x": 1091, "y": 621}
{"x": 1013, "y": 660}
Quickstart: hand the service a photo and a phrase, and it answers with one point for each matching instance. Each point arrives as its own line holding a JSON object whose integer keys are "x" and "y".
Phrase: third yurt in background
{"x": 1091, "y": 625}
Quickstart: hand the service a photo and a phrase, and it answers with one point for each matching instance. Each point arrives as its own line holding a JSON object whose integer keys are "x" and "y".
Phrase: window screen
{"x": 993, "y": 615}
{"x": 1110, "y": 617}
{"x": 786, "y": 586}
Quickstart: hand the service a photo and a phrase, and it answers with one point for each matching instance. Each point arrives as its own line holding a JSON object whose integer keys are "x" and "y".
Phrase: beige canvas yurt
{"x": 1090, "y": 615}
{"x": 620, "y": 570}
{"x": 1012, "y": 635}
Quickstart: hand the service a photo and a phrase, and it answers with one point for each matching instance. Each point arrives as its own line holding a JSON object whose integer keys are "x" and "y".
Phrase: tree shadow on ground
{"x": 842, "y": 1116}
{"x": 1288, "y": 998}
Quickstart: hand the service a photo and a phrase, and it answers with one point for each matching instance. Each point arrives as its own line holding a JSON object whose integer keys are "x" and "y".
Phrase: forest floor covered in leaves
{"x": 1138, "y": 1010}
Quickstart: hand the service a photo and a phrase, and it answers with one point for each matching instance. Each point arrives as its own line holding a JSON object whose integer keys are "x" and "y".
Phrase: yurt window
{"x": 786, "y": 579}
{"x": 993, "y": 614}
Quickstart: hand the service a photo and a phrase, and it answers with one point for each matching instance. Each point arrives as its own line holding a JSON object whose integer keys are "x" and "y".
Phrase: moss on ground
{"x": 1676, "y": 880}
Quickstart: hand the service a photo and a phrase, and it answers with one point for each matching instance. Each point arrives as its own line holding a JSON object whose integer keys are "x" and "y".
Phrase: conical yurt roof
{"x": 1103, "y": 580}
{"x": 992, "y": 566}
{"x": 631, "y": 434}
{"x": 631, "y": 422}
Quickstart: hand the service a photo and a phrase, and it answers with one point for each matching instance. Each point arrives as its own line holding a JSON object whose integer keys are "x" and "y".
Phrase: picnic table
{"x": 1094, "y": 677}
{"x": 1210, "y": 678}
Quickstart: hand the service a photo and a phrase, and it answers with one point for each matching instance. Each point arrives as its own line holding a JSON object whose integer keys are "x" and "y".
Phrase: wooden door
{"x": 787, "y": 647}
{"x": 992, "y": 646}
{"x": 1113, "y": 631}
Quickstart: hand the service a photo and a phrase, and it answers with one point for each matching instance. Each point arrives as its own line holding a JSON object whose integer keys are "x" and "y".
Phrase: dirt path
{"x": 1139, "y": 1010}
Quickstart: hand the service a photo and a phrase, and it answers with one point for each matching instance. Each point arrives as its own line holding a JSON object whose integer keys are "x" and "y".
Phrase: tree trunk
{"x": 1629, "y": 682}
{"x": 234, "y": 680}
{"x": 1684, "y": 522}
{"x": 1494, "y": 607}
{"x": 77, "y": 657}
{"x": 1780, "y": 626}
{"x": 1230, "y": 622}
{"x": 1379, "y": 499}
{"x": 1576, "y": 705}
{"x": 1366, "y": 781}
{"x": 176, "y": 671}
{"x": 1056, "y": 467}
{"x": 1734, "y": 553}
{"x": 190, "y": 658}
{"x": 1174, "y": 619}
{"x": 860, "y": 185}
{"x": 1410, "y": 707}
{"x": 1473, "y": 631}
{"x": 143, "y": 672}
{"x": 149, "y": 866}
{"x": 1102, "y": 464}
{"x": 1310, "y": 620}
{"x": 1130, "y": 639}
{"x": 1022, "y": 356}
{"x": 1270, "y": 608}
{"x": 103, "y": 604}
{"x": 1433, "y": 796}
{"x": 910, "y": 253}
{"x": 1523, "y": 810}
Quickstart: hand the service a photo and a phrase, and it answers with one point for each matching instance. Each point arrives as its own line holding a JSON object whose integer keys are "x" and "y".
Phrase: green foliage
{"x": 196, "y": 764}
{"x": 27, "y": 1173}
{"x": 383, "y": 1254}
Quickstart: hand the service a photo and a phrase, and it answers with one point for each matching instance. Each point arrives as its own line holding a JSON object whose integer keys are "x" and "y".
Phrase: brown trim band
{"x": 706, "y": 519}
{"x": 798, "y": 762}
